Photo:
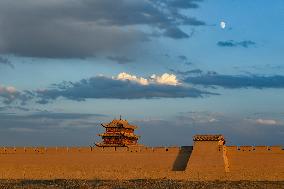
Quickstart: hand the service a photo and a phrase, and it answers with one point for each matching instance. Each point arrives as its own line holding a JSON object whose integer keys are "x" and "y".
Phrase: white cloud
{"x": 200, "y": 117}
{"x": 126, "y": 76}
{"x": 212, "y": 120}
{"x": 164, "y": 79}
{"x": 9, "y": 89}
{"x": 9, "y": 93}
{"x": 16, "y": 129}
{"x": 266, "y": 121}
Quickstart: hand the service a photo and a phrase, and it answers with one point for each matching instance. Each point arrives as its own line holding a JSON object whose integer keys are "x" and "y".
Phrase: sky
{"x": 174, "y": 68}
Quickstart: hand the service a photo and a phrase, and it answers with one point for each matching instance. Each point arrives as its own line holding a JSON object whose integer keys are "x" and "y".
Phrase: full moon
{"x": 223, "y": 24}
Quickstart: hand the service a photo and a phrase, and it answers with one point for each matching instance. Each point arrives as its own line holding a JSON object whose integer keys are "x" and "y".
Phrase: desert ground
{"x": 138, "y": 184}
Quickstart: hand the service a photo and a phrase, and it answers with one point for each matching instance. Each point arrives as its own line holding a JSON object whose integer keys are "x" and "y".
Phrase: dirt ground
{"x": 137, "y": 184}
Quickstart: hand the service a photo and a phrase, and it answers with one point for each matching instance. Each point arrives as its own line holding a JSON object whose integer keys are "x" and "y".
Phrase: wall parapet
{"x": 90, "y": 149}
{"x": 84, "y": 149}
{"x": 255, "y": 148}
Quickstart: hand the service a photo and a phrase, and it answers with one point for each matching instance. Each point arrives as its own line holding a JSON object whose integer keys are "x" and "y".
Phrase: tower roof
{"x": 208, "y": 138}
{"x": 119, "y": 123}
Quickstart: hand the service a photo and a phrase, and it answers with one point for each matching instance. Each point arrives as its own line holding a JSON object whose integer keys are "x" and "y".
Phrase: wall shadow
{"x": 182, "y": 158}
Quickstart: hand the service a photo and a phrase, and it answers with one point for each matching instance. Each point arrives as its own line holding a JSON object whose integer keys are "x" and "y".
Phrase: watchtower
{"x": 119, "y": 133}
{"x": 208, "y": 156}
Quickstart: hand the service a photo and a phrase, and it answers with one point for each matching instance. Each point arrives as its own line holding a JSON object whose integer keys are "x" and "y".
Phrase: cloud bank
{"x": 124, "y": 86}
{"x": 82, "y": 28}
{"x": 49, "y": 128}
{"x": 237, "y": 81}
{"x": 232, "y": 43}
{"x": 128, "y": 86}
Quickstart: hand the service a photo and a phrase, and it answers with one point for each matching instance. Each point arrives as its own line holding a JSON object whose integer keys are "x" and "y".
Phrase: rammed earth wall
{"x": 207, "y": 160}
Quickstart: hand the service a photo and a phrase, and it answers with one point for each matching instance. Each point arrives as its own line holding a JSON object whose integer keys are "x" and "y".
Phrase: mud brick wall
{"x": 207, "y": 160}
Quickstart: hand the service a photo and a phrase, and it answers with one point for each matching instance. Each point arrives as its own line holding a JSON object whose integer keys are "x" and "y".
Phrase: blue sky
{"x": 167, "y": 66}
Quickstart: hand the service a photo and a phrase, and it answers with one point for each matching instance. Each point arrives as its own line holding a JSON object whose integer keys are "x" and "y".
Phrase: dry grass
{"x": 137, "y": 184}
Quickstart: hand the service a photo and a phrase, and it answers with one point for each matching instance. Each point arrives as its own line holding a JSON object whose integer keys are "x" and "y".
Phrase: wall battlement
{"x": 47, "y": 150}
{"x": 267, "y": 149}
{"x": 207, "y": 159}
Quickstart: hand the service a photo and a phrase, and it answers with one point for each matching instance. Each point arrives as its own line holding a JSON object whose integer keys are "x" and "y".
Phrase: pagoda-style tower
{"x": 119, "y": 133}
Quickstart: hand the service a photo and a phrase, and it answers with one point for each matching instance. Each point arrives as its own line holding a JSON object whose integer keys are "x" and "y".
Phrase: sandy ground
{"x": 137, "y": 184}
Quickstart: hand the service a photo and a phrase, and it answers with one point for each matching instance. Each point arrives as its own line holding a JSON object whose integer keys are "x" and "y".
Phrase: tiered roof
{"x": 119, "y": 123}
{"x": 130, "y": 135}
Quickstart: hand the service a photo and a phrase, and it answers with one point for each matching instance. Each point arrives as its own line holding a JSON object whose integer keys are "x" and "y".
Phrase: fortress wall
{"x": 159, "y": 149}
{"x": 207, "y": 160}
{"x": 147, "y": 149}
{"x": 256, "y": 162}
{"x": 51, "y": 150}
{"x": 88, "y": 163}
{"x": 173, "y": 149}
{"x": 276, "y": 148}
{"x": 121, "y": 149}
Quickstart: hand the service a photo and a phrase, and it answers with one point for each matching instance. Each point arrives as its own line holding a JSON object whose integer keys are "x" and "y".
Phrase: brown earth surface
{"x": 138, "y": 184}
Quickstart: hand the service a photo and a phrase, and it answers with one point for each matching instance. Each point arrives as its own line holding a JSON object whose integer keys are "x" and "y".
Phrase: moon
{"x": 223, "y": 24}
